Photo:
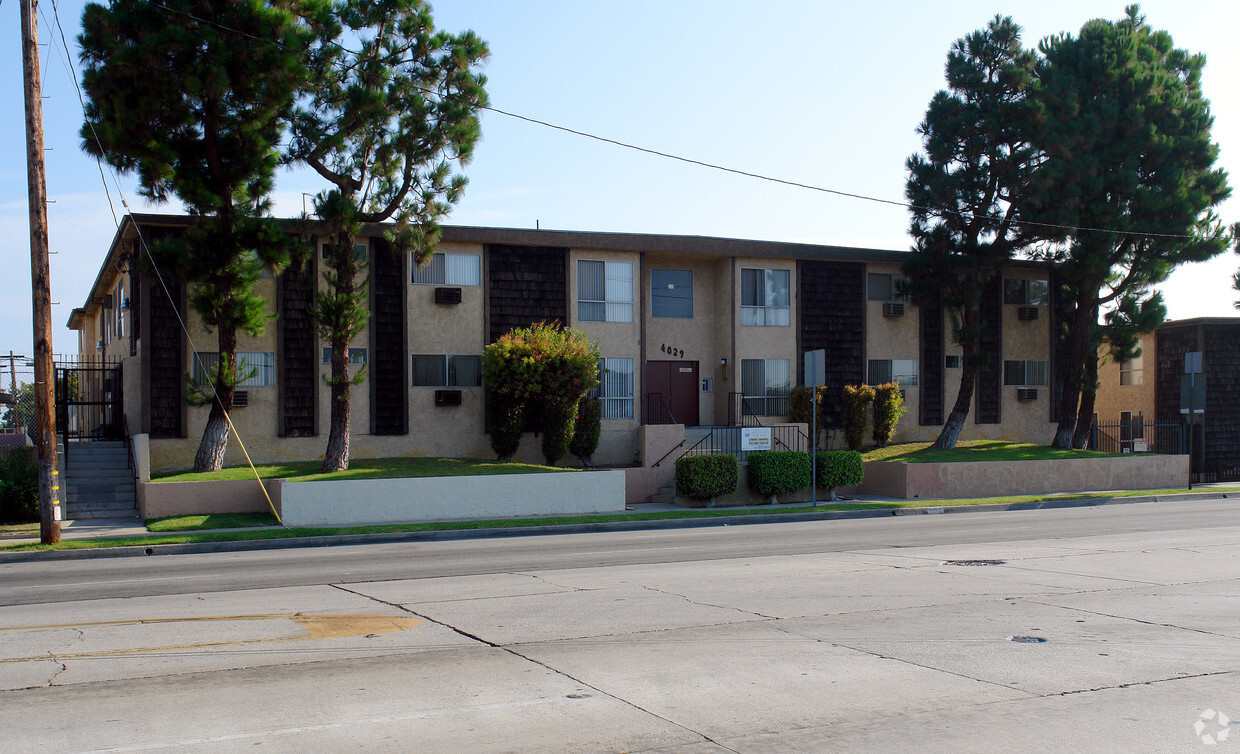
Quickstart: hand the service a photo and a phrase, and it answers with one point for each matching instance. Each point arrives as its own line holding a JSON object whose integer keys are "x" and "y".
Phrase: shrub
{"x": 888, "y": 408}
{"x": 559, "y": 418}
{"x": 586, "y": 433}
{"x": 706, "y": 477}
{"x": 19, "y": 486}
{"x": 800, "y": 408}
{"x": 779, "y": 472}
{"x": 856, "y": 399}
{"x": 839, "y": 468}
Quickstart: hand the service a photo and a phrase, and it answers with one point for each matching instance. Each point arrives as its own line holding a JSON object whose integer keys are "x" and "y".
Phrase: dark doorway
{"x": 672, "y": 392}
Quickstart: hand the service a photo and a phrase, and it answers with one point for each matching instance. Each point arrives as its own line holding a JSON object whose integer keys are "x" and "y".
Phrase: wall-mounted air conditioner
{"x": 447, "y": 295}
{"x": 1027, "y": 313}
{"x": 893, "y": 309}
{"x": 447, "y": 397}
{"x": 1026, "y": 393}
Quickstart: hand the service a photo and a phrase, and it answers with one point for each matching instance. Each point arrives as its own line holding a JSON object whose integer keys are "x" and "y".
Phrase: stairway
{"x": 97, "y": 481}
{"x": 666, "y": 494}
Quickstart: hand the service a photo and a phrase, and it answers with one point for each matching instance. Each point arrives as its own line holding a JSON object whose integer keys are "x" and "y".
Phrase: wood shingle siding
{"x": 525, "y": 285}
{"x": 389, "y": 359}
{"x": 1221, "y": 364}
{"x": 932, "y": 352}
{"x": 990, "y": 370}
{"x": 166, "y": 390}
{"x": 832, "y": 302}
{"x": 298, "y": 370}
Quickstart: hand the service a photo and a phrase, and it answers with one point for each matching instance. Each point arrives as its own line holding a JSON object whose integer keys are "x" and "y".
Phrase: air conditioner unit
{"x": 447, "y": 295}
{"x": 893, "y": 309}
{"x": 1026, "y": 393}
{"x": 447, "y": 397}
{"x": 241, "y": 398}
{"x": 1027, "y": 313}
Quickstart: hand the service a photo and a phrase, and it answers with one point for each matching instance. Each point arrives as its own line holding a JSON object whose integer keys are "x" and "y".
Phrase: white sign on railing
{"x": 755, "y": 438}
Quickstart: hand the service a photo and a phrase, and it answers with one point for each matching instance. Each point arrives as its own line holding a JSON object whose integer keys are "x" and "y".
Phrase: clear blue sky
{"x": 823, "y": 93}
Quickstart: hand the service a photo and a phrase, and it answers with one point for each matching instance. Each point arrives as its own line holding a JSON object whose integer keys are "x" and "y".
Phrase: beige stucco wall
{"x": 618, "y": 437}
{"x": 895, "y": 338}
{"x": 769, "y": 342}
{"x": 1114, "y": 398}
{"x": 159, "y": 499}
{"x": 667, "y": 337}
{"x": 942, "y": 481}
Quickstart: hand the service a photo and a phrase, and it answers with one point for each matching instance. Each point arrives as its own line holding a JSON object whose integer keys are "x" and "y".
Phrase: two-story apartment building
{"x": 693, "y": 330}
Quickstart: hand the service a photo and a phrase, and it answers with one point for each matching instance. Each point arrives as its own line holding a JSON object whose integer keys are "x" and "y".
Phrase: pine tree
{"x": 191, "y": 96}
{"x": 966, "y": 191}
{"x": 1125, "y": 130}
{"x": 383, "y": 124}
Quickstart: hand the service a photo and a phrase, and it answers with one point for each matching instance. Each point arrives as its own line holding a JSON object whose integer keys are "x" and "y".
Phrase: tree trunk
{"x": 968, "y": 377}
{"x": 345, "y": 266}
{"x": 214, "y": 445}
{"x": 1085, "y": 416}
{"x": 1074, "y": 366}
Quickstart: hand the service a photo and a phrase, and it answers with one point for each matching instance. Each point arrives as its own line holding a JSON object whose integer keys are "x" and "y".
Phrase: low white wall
{"x": 383, "y": 501}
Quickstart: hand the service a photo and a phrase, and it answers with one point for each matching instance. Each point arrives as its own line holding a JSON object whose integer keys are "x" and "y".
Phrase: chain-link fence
{"x": 16, "y": 398}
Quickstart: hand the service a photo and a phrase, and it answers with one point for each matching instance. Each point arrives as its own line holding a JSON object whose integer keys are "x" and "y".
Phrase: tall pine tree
{"x": 965, "y": 191}
{"x": 192, "y": 95}
{"x": 383, "y": 124}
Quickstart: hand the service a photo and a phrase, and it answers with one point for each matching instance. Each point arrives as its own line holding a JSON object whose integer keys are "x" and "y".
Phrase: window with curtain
{"x": 357, "y": 356}
{"x": 765, "y": 384}
{"x": 766, "y": 298}
{"x": 448, "y": 268}
{"x": 1025, "y": 292}
{"x": 260, "y": 366}
{"x": 1024, "y": 373}
{"x": 671, "y": 294}
{"x": 604, "y": 291}
{"x": 901, "y": 371}
{"x": 1131, "y": 372}
{"x": 439, "y": 370}
{"x": 615, "y": 388}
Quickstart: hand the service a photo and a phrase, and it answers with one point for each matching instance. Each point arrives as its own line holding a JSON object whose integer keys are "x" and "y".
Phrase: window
{"x": 765, "y": 298}
{"x": 952, "y": 361}
{"x": 1024, "y": 373}
{"x": 671, "y": 294}
{"x": 1131, "y": 372}
{"x": 1025, "y": 292}
{"x": 765, "y": 384}
{"x": 902, "y": 371}
{"x": 615, "y": 388}
{"x": 446, "y": 268}
{"x": 604, "y": 291}
{"x": 359, "y": 251}
{"x": 883, "y": 287}
{"x": 258, "y": 367}
{"x": 447, "y": 371}
{"x": 357, "y": 356}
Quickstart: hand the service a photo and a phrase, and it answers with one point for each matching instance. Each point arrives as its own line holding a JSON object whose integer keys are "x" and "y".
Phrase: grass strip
{"x": 363, "y": 468}
{"x": 191, "y": 537}
{"x": 210, "y": 521}
{"x": 977, "y": 451}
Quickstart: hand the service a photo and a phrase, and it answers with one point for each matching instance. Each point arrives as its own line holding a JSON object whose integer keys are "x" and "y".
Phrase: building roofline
{"x": 1199, "y": 321}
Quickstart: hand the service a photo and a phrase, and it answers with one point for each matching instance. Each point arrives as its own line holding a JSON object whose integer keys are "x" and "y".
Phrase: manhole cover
{"x": 1027, "y": 639}
{"x": 973, "y": 562}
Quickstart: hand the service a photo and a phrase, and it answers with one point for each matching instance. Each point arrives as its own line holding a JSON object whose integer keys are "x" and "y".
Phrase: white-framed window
{"x": 902, "y": 371}
{"x": 1132, "y": 372}
{"x": 260, "y": 366}
{"x": 359, "y": 251}
{"x": 439, "y": 370}
{"x": 671, "y": 294}
{"x": 765, "y": 384}
{"x": 604, "y": 291}
{"x": 883, "y": 287}
{"x": 448, "y": 268}
{"x": 1023, "y": 292}
{"x": 357, "y": 356}
{"x": 952, "y": 361}
{"x": 766, "y": 298}
{"x": 615, "y": 387}
{"x": 1024, "y": 373}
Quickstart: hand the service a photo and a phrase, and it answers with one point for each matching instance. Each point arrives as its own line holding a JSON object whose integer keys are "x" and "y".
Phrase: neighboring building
{"x": 1147, "y": 390}
{"x": 693, "y": 330}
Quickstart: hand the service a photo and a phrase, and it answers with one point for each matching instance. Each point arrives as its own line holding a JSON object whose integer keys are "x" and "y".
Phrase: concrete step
{"x": 96, "y": 445}
{"x": 97, "y": 510}
{"x": 98, "y": 475}
{"x": 105, "y": 493}
{"x": 668, "y": 499}
{"x": 74, "y": 514}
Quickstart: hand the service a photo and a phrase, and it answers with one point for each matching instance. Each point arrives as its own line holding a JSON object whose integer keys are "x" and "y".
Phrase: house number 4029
{"x": 677, "y": 352}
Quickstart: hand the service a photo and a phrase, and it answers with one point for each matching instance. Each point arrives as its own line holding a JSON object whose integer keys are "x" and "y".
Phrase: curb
{"x": 244, "y": 545}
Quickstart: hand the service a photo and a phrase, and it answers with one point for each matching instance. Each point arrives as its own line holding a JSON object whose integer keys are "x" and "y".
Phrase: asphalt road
{"x": 29, "y": 583}
{"x": 1096, "y": 629}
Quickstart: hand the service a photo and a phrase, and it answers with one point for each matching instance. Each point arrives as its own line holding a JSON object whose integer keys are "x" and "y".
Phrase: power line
{"x": 701, "y": 163}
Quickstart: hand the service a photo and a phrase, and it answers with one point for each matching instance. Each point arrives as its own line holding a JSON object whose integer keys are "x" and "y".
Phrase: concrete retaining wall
{"x": 377, "y": 501}
{"x": 160, "y": 499}
{"x": 931, "y": 481}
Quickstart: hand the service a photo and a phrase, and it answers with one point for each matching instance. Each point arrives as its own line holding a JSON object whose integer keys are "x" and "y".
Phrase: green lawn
{"x": 974, "y": 451}
{"x": 210, "y": 521}
{"x": 362, "y": 468}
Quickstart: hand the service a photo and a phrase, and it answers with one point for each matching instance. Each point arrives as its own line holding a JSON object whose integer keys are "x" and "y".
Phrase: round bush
{"x": 840, "y": 468}
{"x": 706, "y": 477}
{"x": 779, "y": 472}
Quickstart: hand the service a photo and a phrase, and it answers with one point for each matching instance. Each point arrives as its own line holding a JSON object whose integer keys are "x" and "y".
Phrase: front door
{"x": 672, "y": 392}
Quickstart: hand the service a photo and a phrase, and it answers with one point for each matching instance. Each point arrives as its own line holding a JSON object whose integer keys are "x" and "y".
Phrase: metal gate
{"x": 89, "y": 401}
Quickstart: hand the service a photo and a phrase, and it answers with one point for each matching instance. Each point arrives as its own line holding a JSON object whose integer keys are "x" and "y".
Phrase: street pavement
{"x": 1096, "y": 629}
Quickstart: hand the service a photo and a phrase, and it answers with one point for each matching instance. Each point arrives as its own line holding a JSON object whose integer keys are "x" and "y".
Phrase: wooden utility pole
{"x": 40, "y": 280}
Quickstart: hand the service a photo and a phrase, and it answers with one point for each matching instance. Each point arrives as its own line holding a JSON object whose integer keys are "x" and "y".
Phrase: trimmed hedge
{"x": 888, "y": 408}
{"x": 779, "y": 472}
{"x": 586, "y": 433}
{"x": 857, "y": 399}
{"x": 706, "y": 477}
{"x": 839, "y": 468}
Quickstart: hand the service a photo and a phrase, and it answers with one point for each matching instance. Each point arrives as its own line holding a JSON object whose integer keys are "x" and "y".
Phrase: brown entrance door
{"x": 672, "y": 392}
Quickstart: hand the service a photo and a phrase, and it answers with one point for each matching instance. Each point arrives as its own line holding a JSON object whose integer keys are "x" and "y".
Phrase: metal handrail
{"x": 664, "y": 408}
{"x": 687, "y": 452}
